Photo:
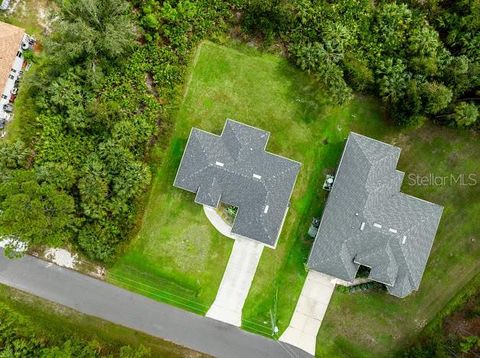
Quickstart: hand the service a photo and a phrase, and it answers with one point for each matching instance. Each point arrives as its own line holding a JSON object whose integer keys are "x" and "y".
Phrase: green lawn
{"x": 65, "y": 322}
{"x": 177, "y": 257}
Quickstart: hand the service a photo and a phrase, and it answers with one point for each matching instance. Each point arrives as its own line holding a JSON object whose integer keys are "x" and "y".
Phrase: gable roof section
{"x": 235, "y": 169}
{"x": 368, "y": 221}
{"x": 10, "y": 40}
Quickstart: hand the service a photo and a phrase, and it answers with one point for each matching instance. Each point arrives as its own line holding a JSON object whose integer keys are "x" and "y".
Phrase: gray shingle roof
{"x": 235, "y": 169}
{"x": 368, "y": 221}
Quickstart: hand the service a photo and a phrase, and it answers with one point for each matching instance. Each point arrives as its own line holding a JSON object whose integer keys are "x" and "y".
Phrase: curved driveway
{"x": 100, "y": 299}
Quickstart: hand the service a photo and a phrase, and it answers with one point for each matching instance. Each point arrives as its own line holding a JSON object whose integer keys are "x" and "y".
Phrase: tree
{"x": 426, "y": 54}
{"x": 62, "y": 175}
{"x": 424, "y": 41}
{"x": 359, "y": 75}
{"x": 436, "y": 96}
{"x": 465, "y": 114}
{"x": 99, "y": 239}
{"x": 13, "y": 156}
{"x": 265, "y": 17}
{"x": 462, "y": 74}
{"x": 36, "y": 213}
{"x": 92, "y": 32}
{"x": 93, "y": 195}
{"x": 68, "y": 96}
{"x": 390, "y": 28}
{"x": 392, "y": 79}
{"x": 321, "y": 63}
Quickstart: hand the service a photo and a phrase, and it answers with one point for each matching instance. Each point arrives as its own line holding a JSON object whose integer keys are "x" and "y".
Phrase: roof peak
{"x": 245, "y": 175}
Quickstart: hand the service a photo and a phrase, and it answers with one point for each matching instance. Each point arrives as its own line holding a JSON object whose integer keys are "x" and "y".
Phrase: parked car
{"x": 8, "y": 108}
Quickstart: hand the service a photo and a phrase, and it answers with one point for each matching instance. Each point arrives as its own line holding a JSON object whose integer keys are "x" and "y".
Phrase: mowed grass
{"x": 177, "y": 256}
{"x": 376, "y": 324}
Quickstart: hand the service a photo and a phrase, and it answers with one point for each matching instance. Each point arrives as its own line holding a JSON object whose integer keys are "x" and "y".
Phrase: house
{"x": 4, "y": 4}
{"x": 13, "y": 41}
{"x": 235, "y": 169}
{"x": 368, "y": 222}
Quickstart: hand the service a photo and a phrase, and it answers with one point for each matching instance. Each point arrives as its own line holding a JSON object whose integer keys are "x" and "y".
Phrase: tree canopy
{"x": 92, "y": 32}
{"x": 420, "y": 58}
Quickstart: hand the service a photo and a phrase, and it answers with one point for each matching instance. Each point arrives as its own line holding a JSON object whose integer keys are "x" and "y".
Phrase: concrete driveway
{"x": 236, "y": 282}
{"x": 309, "y": 312}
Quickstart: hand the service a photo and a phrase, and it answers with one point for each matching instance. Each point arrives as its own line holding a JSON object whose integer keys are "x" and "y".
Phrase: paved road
{"x": 100, "y": 299}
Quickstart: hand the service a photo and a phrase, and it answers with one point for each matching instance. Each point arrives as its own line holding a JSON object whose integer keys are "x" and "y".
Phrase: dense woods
{"x": 104, "y": 87}
{"x": 100, "y": 99}
{"x": 422, "y": 58}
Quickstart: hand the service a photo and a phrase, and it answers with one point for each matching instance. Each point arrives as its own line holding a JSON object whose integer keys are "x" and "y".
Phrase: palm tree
{"x": 92, "y": 32}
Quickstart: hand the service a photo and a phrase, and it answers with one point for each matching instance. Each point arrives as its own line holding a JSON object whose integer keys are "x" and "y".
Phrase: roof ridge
{"x": 248, "y": 177}
{"x": 360, "y": 139}
{"x": 201, "y": 144}
{"x": 240, "y": 144}
{"x": 364, "y": 137}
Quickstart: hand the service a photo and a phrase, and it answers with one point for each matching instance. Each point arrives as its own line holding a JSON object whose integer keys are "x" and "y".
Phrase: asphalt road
{"x": 100, "y": 299}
